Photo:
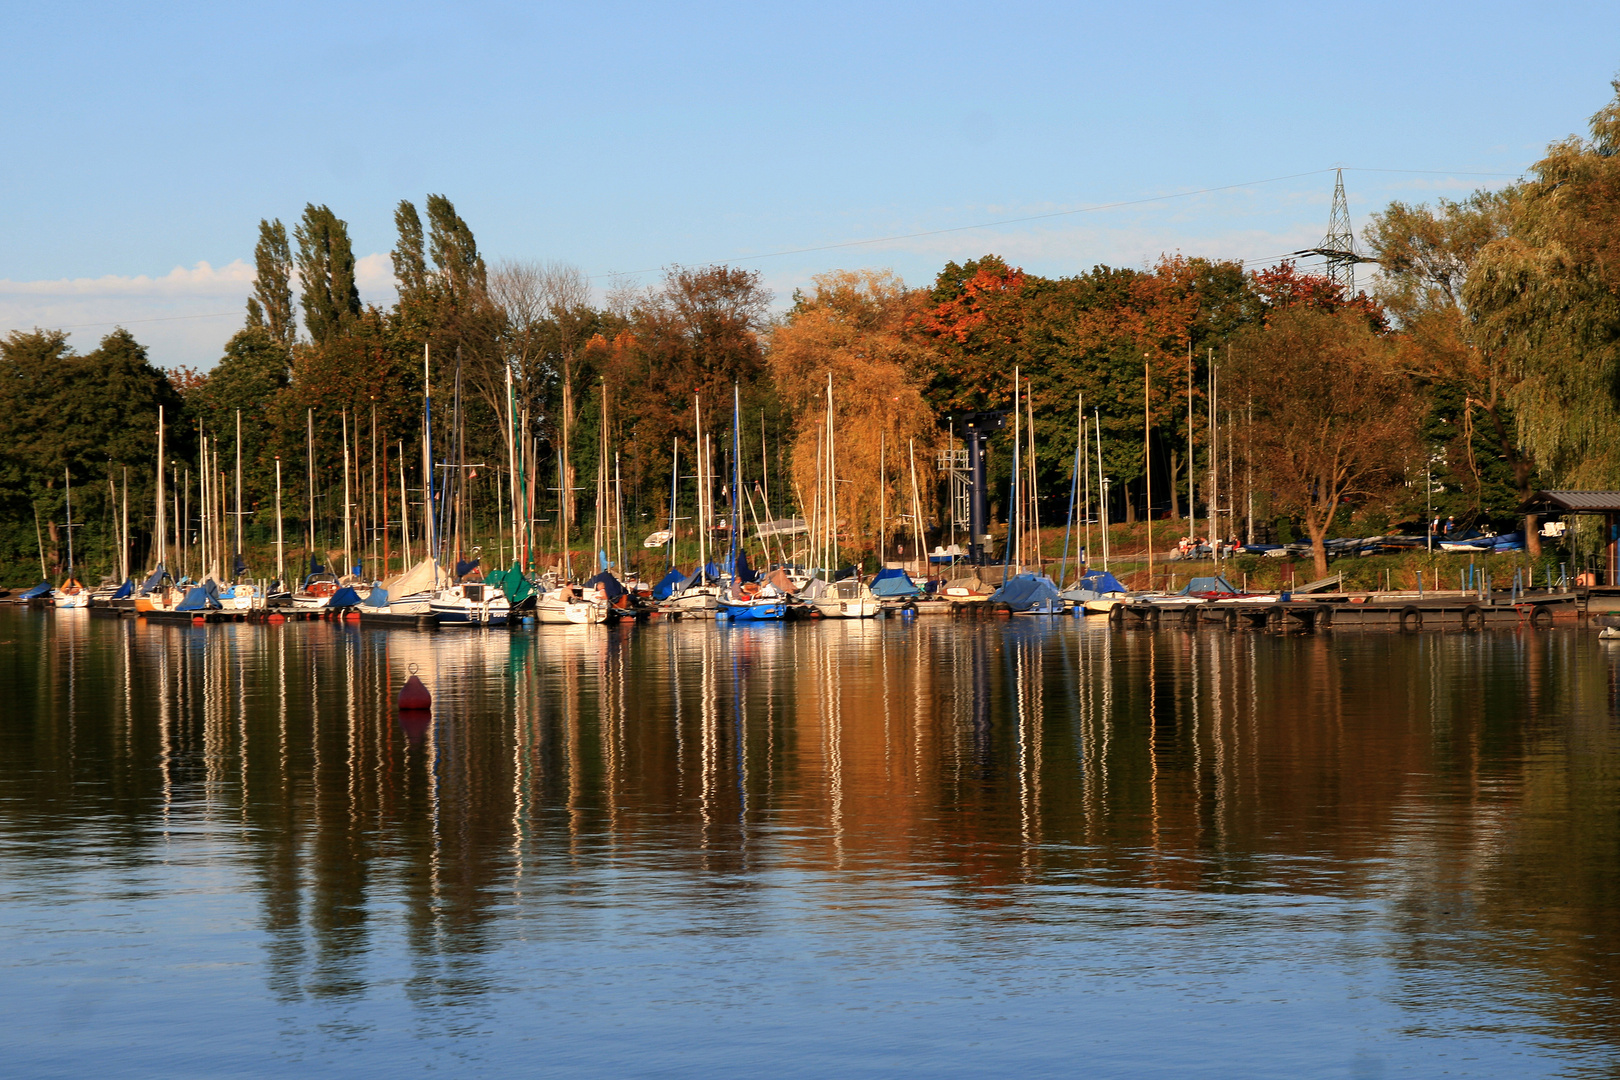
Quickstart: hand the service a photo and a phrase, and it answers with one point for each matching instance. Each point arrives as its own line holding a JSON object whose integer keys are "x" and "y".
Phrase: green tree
{"x": 271, "y": 305}
{"x": 326, "y": 272}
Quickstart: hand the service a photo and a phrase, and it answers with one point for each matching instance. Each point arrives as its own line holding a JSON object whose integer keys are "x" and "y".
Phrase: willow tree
{"x": 1334, "y": 419}
{"x": 1547, "y": 295}
{"x": 853, "y": 327}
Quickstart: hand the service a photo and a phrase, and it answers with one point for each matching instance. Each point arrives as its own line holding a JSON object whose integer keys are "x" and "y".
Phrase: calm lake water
{"x": 925, "y": 848}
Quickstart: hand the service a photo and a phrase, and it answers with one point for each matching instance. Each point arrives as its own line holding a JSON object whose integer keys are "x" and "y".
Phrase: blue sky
{"x": 143, "y": 144}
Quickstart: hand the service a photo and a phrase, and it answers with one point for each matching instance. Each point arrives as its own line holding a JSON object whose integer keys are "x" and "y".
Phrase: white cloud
{"x": 182, "y": 317}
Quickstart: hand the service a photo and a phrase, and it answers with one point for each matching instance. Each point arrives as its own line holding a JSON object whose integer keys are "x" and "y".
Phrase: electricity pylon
{"x": 1339, "y": 245}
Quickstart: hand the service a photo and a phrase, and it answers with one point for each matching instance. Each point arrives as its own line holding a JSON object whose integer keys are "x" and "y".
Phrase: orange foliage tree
{"x": 853, "y": 327}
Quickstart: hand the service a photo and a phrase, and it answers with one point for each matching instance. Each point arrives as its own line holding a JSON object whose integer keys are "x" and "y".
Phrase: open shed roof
{"x": 1573, "y": 502}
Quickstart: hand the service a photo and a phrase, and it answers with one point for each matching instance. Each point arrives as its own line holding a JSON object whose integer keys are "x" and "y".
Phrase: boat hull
{"x": 774, "y": 611}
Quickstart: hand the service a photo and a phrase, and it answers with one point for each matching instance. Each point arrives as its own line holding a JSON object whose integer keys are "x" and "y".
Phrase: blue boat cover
{"x": 743, "y": 571}
{"x": 42, "y": 589}
{"x": 847, "y": 572}
{"x": 378, "y": 598}
{"x": 125, "y": 591}
{"x": 1209, "y": 585}
{"x": 1101, "y": 581}
{"x": 893, "y": 582}
{"x": 315, "y": 567}
{"x": 155, "y": 580}
{"x": 344, "y": 597}
{"x": 671, "y": 583}
{"x": 466, "y": 566}
{"x": 610, "y": 585}
{"x": 1024, "y": 591}
{"x": 203, "y": 597}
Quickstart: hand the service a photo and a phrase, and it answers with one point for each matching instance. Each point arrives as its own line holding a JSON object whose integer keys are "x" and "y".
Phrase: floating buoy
{"x": 351, "y": 616}
{"x": 413, "y": 695}
{"x": 276, "y": 617}
{"x": 198, "y": 620}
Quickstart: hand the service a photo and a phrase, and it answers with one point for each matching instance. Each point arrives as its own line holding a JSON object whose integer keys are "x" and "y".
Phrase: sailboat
{"x": 566, "y": 606}
{"x": 746, "y": 599}
{"x": 72, "y": 595}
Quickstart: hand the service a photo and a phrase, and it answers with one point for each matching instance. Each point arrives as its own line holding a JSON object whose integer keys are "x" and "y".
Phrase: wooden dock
{"x": 1407, "y": 614}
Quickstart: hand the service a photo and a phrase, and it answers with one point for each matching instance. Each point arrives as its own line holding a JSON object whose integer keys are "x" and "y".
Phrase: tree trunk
{"x": 1175, "y": 490}
{"x": 1318, "y": 545}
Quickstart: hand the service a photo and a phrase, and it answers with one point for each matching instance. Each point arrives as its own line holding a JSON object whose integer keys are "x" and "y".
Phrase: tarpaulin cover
{"x": 125, "y": 591}
{"x": 513, "y": 583}
{"x": 344, "y": 597}
{"x": 201, "y": 598}
{"x": 744, "y": 572}
{"x": 42, "y": 589}
{"x": 894, "y": 582}
{"x": 418, "y": 579}
{"x": 155, "y": 580}
{"x": 466, "y": 566}
{"x": 1199, "y": 585}
{"x": 1101, "y": 581}
{"x": 315, "y": 567}
{"x": 780, "y": 581}
{"x": 377, "y": 598}
{"x": 670, "y": 583}
{"x": 610, "y": 585}
{"x": 1024, "y": 591}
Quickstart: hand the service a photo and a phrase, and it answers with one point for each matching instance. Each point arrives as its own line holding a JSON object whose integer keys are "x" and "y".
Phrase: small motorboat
{"x": 471, "y": 604}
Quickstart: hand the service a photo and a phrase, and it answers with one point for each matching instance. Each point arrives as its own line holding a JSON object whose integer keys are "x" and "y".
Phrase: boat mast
{"x": 404, "y": 508}
{"x": 427, "y": 462}
{"x": 702, "y": 517}
{"x": 67, "y": 483}
{"x": 736, "y": 474}
{"x": 347, "y": 557}
{"x": 237, "y": 558}
{"x": 674, "y": 497}
{"x": 1074, "y": 484}
{"x": 162, "y": 525}
{"x": 123, "y": 531}
{"x": 918, "y": 543}
{"x": 511, "y": 461}
{"x": 832, "y": 483}
{"x": 1102, "y": 486}
{"x": 281, "y": 570}
{"x": 309, "y": 450}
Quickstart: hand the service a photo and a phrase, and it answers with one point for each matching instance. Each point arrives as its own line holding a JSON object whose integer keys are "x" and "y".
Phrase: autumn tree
{"x": 1334, "y": 418}
{"x": 854, "y": 327}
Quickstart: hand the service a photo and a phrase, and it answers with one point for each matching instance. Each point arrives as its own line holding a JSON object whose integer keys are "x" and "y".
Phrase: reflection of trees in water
{"x": 687, "y": 766}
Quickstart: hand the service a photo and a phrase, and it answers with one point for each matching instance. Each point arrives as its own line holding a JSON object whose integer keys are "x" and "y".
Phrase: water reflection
{"x": 1452, "y": 795}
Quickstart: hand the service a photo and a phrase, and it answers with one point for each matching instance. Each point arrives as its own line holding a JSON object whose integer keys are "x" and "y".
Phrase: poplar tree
{"x": 455, "y": 253}
{"x": 271, "y": 305}
{"x": 326, "y": 267}
{"x": 410, "y": 264}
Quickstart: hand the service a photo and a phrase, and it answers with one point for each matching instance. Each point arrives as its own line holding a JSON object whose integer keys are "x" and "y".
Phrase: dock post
{"x": 1612, "y": 547}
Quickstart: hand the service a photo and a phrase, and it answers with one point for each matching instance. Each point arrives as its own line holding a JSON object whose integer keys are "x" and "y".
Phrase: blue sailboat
{"x": 746, "y": 599}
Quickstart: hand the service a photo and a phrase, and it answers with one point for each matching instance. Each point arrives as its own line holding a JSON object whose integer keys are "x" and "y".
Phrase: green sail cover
{"x": 512, "y": 583}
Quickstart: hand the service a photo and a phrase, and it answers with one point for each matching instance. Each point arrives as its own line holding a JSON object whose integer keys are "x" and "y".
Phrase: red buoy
{"x": 276, "y": 617}
{"x": 413, "y": 695}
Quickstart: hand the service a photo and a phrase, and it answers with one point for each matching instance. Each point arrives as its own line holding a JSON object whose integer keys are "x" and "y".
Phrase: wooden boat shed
{"x": 1604, "y": 503}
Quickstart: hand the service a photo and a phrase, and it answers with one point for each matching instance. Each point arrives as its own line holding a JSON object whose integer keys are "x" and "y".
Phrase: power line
{"x": 1098, "y": 208}
{"x": 1059, "y": 213}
